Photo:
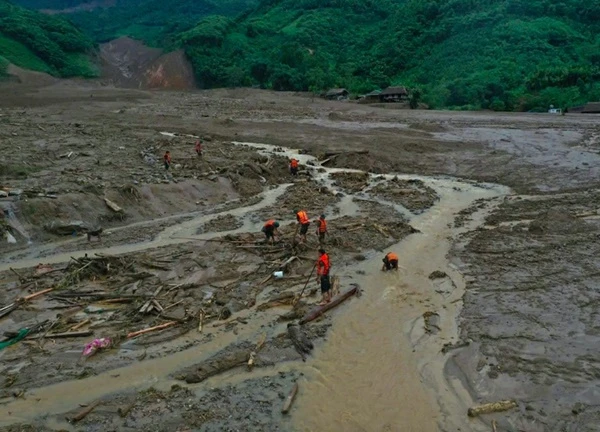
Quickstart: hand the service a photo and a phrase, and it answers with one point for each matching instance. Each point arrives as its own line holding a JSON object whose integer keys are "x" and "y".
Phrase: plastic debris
{"x": 95, "y": 345}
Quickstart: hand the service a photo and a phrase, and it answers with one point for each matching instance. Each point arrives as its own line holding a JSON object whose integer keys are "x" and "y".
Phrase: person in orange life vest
{"x": 167, "y": 159}
{"x": 321, "y": 228}
{"x": 198, "y": 148}
{"x": 323, "y": 267}
{"x": 390, "y": 261}
{"x": 304, "y": 222}
{"x": 294, "y": 166}
{"x": 270, "y": 230}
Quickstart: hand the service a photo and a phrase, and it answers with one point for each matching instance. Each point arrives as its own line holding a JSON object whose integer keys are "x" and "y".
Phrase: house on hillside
{"x": 394, "y": 94}
{"x": 337, "y": 94}
{"x": 371, "y": 97}
{"x": 588, "y": 108}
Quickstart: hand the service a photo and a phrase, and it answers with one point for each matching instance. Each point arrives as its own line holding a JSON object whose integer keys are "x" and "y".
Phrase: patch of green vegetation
{"x": 3, "y": 66}
{"x": 156, "y": 22}
{"x": 43, "y": 43}
{"x": 467, "y": 54}
{"x": 457, "y": 54}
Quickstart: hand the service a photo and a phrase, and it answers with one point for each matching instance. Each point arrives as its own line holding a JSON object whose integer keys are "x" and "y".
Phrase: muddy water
{"x": 373, "y": 372}
{"x": 169, "y": 236}
{"x": 378, "y": 370}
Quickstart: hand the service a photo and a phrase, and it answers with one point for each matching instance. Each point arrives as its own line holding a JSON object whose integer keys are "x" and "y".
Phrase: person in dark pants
{"x": 294, "y": 166}
{"x": 270, "y": 230}
{"x": 304, "y": 222}
{"x": 321, "y": 229}
{"x": 198, "y": 148}
{"x": 390, "y": 261}
{"x": 167, "y": 160}
{"x": 323, "y": 267}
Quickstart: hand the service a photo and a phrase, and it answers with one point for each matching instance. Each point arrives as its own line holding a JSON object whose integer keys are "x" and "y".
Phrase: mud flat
{"x": 494, "y": 217}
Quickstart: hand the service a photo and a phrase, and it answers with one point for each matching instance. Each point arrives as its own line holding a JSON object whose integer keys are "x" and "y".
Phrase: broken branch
{"x": 287, "y": 405}
{"x": 151, "y": 329}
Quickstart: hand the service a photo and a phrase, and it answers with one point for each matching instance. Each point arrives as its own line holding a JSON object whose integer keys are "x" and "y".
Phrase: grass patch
{"x": 19, "y": 55}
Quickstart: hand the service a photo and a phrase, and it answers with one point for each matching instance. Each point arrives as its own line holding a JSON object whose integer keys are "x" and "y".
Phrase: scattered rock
{"x": 438, "y": 274}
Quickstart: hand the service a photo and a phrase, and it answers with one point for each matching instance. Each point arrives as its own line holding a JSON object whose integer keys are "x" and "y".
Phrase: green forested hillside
{"x": 43, "y": 43}
{"x": 155, "y": 22}
{"x": 499, "y": 54}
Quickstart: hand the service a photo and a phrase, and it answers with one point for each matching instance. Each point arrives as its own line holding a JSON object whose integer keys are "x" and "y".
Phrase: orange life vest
{"x": 294, "y": 163}
{"x": 323, "y": 265}
{"x": 322, "y": 225}
{"x": 392, "y": 256}
{"x": 270, "y": 223}
{"x": 302, "y": 217}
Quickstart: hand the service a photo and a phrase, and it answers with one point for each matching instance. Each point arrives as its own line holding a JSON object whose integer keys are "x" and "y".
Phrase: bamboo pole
{"x": 151, "y": 329}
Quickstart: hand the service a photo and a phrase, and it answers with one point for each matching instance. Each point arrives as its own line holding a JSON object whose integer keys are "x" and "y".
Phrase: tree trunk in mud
{"x": 216, "y": 365}
{"x": 491, "y": 408}
{"x": 320, "y": 310}
{"x": 302, "y": 343}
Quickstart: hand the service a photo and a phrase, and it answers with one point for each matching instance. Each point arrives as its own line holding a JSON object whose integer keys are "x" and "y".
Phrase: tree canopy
{"x": 45, "y": 43}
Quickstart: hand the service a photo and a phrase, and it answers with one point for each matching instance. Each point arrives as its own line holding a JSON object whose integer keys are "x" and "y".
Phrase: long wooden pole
{"x": 305, "y": 285}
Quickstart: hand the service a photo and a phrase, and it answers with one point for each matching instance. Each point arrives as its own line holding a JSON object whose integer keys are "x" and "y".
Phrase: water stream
{"x": 377, "y": 370}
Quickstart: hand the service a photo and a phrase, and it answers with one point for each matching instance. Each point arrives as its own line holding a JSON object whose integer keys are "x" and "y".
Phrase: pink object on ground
{"x": 96, "y": 345}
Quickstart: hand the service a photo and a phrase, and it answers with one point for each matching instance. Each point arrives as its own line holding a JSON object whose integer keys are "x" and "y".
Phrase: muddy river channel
{"x": 494, "y": 219}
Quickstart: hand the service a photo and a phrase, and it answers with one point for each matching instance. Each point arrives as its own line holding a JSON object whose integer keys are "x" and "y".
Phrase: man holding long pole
{"x": 323, "y": 267}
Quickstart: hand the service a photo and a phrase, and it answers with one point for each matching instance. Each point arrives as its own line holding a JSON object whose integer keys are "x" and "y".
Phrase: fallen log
{"x": 216, "y": 365}
{"x": 151, "y": 329}
{"x": 287, "y": 262}
{"x": 290, "y": 399}
{"x": 492, "y": 407}
{"x": 83, "y": 414}
{"x": 320, "y": 310}
{"x": 301, "y": 342}
{"x": 113, "y": 206}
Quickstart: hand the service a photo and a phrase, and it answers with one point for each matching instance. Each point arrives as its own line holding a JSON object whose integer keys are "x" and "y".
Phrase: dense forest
{"x": 498, "y": 54}
{"x": 470, "y": 54}
{"x": 43, "y": 43}
{"x": 156, "y": 22}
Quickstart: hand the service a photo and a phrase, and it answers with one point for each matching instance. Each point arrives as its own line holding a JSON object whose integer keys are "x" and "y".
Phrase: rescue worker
{"x": 294, "y": 166}
{"x": 321, "y": 229}
{"x": 304, "y": 222}
{"x": 198, "y": 148}
{"x": 167, "y": 159}
{"x": 270, "y": 230}
{"x": 323, "y": 267}
{"x": 390, "y": 261}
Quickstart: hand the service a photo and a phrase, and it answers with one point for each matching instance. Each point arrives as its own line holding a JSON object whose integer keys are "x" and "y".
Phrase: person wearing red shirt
{"x": 323, "y": 267}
